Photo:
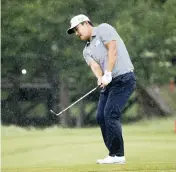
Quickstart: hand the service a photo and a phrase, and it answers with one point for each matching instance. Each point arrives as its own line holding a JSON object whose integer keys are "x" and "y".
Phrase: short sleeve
{"x": 107, "y": 33}
{"x": 87, "y": 57}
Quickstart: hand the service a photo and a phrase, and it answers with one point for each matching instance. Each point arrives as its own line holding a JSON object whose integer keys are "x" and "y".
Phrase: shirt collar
{"x": 94, "y": 32}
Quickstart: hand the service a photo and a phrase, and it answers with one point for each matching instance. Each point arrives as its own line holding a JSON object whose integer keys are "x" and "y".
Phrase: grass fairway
{"x": 149, "y": 145}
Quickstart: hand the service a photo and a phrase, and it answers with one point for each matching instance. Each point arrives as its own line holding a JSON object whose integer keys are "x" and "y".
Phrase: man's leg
{"x": 118, "y": 96}
{"x": 100, "y": 115}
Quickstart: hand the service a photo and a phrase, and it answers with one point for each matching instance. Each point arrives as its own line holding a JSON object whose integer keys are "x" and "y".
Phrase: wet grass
{"x": 149, "y": 145}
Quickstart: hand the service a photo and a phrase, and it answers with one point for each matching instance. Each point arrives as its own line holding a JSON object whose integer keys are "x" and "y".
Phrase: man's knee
{"x": 100, "y": 118}
{"x": 112, "y": 113}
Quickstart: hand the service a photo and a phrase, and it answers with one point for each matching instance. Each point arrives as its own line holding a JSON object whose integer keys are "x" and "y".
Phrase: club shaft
{"x": 77, "y": 100}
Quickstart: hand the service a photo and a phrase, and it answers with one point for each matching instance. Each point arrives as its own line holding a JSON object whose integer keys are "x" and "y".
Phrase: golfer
{"x": 108, "y": 58}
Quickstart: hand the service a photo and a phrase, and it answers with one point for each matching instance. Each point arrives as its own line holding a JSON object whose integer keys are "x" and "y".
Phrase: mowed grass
{"x": 149, "y": 146}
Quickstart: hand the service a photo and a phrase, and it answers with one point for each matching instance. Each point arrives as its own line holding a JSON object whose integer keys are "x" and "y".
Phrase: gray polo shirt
{"x": 96, "y": 50}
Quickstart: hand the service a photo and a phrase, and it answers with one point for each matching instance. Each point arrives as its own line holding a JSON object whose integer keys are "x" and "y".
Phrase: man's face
{"x": 82, "y": 31}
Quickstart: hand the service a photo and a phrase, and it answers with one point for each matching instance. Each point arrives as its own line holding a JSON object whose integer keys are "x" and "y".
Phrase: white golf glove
{"x": 106, "y": 78}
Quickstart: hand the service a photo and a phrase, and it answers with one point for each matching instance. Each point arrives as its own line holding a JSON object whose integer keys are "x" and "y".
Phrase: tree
{"x": 33, "y": 37}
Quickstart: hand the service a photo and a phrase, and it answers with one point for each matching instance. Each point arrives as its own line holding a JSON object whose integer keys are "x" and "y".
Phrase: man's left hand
{"x": 106, "y": 79}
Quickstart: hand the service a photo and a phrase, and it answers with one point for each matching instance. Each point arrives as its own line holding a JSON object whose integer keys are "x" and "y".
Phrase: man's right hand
{"x": 99, "y": 81}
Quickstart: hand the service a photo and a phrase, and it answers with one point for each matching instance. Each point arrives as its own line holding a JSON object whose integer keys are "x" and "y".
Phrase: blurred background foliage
{"x": 34, "y": 38}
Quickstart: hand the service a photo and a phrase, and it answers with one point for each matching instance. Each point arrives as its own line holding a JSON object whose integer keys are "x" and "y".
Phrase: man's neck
{"x": 91, "y": 30}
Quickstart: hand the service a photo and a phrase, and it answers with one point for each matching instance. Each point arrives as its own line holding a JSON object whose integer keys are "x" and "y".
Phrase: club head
{"x": 52, "y": 112}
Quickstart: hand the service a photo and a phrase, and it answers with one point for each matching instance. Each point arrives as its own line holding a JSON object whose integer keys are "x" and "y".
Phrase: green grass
{"x": 149, "y": 145}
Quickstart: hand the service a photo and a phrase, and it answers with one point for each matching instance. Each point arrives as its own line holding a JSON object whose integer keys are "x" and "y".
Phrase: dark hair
{"x": 90, "y": 23}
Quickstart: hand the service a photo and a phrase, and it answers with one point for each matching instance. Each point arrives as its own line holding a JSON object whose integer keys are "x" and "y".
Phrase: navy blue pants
{"x": 111, "y": 104}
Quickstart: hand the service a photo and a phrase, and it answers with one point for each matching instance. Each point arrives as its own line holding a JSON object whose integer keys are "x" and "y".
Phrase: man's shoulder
{"x": 85, "y": 50}
{"x": 104, "y": 26}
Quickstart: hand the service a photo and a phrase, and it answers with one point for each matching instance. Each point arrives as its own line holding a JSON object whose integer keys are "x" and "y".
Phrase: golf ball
{"x": 24, "y": 71}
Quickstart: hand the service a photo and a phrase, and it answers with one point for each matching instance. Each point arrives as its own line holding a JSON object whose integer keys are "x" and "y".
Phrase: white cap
{"x": 75, "y": 21}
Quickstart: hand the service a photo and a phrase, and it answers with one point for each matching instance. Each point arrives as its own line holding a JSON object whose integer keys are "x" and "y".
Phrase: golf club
{"x": 74, "y": 102}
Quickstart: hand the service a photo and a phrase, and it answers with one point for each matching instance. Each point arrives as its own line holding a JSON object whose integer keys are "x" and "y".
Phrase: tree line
{"x": 34, "y": 38}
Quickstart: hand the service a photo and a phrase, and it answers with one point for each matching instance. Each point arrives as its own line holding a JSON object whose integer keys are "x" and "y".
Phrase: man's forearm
{"x": 97, "y": 71}
{"x": 112, "y": 57}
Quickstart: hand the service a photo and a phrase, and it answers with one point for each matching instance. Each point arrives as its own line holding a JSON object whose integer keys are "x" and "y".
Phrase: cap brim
{"x": 70, "y": 31}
